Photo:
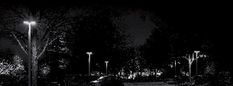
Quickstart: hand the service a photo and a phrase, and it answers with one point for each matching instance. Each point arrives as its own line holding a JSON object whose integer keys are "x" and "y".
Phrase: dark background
{"x": 207, "y": 19}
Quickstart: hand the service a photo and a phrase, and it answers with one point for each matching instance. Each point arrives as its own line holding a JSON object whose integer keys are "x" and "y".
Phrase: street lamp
{"x": 106, "y": 63}
{"x": 196, "y": 55}
{"x": 175, "y": 69}
{"x": 29, "y": 23}
{"x": 176, "y": 63}
{"x": 89, "y": 62}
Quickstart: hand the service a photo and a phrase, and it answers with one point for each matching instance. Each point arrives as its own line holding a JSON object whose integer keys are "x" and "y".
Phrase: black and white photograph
{"x": 115, "y": 43}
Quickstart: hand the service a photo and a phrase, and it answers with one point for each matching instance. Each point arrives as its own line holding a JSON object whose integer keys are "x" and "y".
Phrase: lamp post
{"x": 106, "y": 63}
{"x": 175, "y": 69}
{"x": 89, "y": 62}
{"x": 176, "y": 75}
{"x": 196, "y": 55}
{"x": 30, "y": 24}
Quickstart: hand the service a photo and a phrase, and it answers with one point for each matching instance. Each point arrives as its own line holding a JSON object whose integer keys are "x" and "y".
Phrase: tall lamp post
{"x": 89, "y": 62}
{"x": 30, "y": 24}
{"x": 106, "y": 63}
{"x": 175, "y": 69}
{"x": 175, "y": 64}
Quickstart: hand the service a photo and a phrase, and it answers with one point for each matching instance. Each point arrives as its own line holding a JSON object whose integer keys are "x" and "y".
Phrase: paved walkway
{"x": 147, "y": 84}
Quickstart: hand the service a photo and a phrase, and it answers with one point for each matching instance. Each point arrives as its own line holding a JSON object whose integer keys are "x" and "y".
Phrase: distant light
{"x": 159, "y": 73}
{"x": 89, "y": 53}
{"x": 106, "y": 62}
{"x": 29, "y": 22}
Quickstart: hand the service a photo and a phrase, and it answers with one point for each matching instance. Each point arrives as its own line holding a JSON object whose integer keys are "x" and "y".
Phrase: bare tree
{"x": 51, "y": 25}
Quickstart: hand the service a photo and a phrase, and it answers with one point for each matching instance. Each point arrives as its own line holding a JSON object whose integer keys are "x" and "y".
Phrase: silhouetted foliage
{"x": 98, "y": 31}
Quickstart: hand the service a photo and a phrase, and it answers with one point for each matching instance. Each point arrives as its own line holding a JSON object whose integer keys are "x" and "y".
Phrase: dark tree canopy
{"x": 99, "y": 33}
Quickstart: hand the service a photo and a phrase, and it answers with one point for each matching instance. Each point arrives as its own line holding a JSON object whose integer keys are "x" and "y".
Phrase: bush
{"x": 224, "y": 78}
{"x": 7, "y": 80}
{"x": 12, "y": 72}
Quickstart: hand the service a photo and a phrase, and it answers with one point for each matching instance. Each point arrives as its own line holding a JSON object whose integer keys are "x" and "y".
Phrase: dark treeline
{"x": 66, "y": 31}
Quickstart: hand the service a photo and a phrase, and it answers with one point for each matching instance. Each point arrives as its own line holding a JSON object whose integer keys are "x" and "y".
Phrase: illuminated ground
{"x": 147, "y": 84}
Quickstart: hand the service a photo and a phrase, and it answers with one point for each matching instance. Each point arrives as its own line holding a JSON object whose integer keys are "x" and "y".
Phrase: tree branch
{"x": 45, "y": 46}
{"x": 53, "y": 40}
{"x": 21, "y": 46}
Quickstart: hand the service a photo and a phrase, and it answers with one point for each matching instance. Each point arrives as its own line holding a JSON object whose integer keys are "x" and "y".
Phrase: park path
{"x": 147, "y": 84}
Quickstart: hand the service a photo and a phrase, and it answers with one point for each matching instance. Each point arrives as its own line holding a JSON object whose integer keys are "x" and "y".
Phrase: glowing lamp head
{"x": 89, "y": 53}
{"x": 106, "y": 62}
{"x": 29, "y": 22}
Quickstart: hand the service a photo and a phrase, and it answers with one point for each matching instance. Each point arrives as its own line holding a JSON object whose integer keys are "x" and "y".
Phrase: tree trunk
{"x": 190, "y": 74}
{"x": 34, "y": 72}
{"x": 34, "y": 63}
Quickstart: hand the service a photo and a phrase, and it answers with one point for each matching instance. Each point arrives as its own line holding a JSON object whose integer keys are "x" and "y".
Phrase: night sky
{"x": 210, "y": 20}
{"x": 199, "y": 17}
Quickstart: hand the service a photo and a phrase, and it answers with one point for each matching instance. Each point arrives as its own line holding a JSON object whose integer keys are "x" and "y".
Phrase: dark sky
{"x": 209, "y": 19}
{"x": 139, "y": 29}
